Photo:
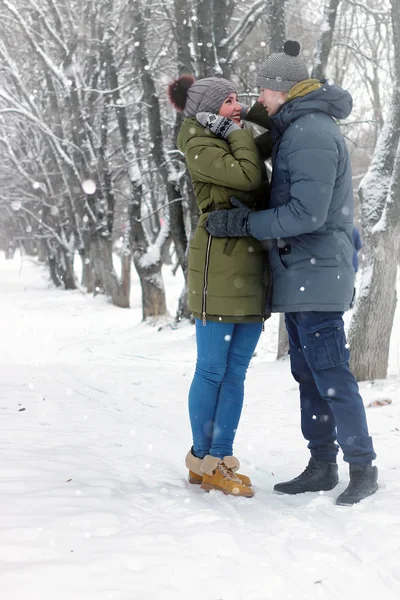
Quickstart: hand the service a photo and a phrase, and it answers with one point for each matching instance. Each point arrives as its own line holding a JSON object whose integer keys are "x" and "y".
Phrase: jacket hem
{"x": 309, "y": 307}
{"x": 232, "y": 319}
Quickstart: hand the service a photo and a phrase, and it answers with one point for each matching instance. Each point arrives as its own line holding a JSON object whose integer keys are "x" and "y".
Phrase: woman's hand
{"x": 219, "y": 126}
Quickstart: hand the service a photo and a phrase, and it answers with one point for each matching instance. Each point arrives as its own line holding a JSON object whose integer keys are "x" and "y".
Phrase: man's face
{"x": 272, "y": 100}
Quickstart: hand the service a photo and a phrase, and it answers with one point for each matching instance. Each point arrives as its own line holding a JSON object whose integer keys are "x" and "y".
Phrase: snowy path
{"x": 93, "y": 498}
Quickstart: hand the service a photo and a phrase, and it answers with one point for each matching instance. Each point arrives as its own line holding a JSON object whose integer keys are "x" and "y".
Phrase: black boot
{"x": 363, "y": 483}
{"x": 317, "y": 476}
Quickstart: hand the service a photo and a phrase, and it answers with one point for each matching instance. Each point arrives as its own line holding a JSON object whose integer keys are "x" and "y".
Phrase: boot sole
{"x": 352, "y": 500}
{"x": 194, "y": 481}
{"x": 319, "y": 489}
{"x": 208, "y": 487}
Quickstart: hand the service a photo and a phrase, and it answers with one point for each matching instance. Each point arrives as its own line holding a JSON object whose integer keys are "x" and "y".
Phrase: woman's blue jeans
{"x": 224, "y": 351}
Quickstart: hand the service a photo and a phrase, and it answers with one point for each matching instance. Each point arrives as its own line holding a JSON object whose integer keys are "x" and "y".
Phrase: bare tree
{"x": 324, "y": 43}
{"x": 380, "y": 201}
{"x": 276, "y": 24}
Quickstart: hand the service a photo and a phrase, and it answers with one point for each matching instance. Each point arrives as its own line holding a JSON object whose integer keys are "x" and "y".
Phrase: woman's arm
{"x": 234, "y": 163}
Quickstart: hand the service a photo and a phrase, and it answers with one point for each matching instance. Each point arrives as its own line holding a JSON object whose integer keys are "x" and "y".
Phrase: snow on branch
{"x": 48, "y": 27}
{"x": 367, "y": 9}
{"x": 21, "y": 111}
{"x": 58, "y": 73}
{"x": 248, "y": 18}
{"x": 374, "y": 186}
{"x": 59, "y": 239}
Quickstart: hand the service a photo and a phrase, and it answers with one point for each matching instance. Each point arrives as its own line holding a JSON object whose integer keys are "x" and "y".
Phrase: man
{"x": 311, "y": 224}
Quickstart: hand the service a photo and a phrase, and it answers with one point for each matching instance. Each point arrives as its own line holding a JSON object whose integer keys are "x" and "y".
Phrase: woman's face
{"x": 231, "y": 108}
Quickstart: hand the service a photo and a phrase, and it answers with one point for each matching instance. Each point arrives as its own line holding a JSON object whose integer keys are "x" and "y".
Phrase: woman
{"x": 228, "y": 279}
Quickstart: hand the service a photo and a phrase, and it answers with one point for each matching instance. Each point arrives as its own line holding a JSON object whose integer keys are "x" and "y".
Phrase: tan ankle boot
{"x": 193, "y": 464}
{"x": 196, "y": 476}
{"x": 218, "y": 476}
{"x": 233, "y": 463}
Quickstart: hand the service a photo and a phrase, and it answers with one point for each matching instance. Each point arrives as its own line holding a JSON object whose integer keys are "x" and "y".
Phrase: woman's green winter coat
{"x": 228, "y": 278}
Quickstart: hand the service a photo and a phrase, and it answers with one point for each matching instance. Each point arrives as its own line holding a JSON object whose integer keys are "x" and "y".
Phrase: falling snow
{"x": 99, "y": 456}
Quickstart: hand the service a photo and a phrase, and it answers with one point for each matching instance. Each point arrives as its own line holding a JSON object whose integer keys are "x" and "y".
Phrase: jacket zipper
{"x": 207, "y": 264}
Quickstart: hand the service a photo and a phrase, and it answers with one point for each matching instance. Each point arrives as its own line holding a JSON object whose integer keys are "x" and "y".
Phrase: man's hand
{"x": 230, "y": 223}
{"x": 244, "y": 110}
{"x": 220, "y": 126}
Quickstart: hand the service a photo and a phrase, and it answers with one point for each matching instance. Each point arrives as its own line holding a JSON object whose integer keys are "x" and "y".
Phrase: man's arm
{"x": 312, "y": 165}
{"x": 258, "y": 115}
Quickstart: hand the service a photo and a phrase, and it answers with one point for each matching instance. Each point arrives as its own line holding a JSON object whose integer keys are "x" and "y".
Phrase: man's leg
{"x": 317, "y": 420}
{"x": 326, "y": 351}
{"x": 317, "y": 424}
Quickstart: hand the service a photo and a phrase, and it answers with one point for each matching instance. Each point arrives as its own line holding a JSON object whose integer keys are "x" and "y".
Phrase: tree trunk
{"x": 283, "y": 340}
{"x": 373, "y": 320}
{"x": 9, "y": 252}
{"x": 30, "y": 247}
{"x": 183, "y": 36}
{"x": 53, "y": 270}
{"x": 163, "y": 162}
{"x": 207, "y": 58}
{"x": 276, "y": 24}
{"x": 223, "y": 10}
{"x": 324, "y": 43}
{"x": 125, "y": 287}
{"x": 42, "y": 251}
{"x": 87, "y": 280}
{"x": 105, "y": 277}
{"x": 151, "y": 281}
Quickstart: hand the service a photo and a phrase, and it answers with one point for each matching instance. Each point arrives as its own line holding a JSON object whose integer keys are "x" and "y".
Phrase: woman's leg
{"x": 230, "y": 401}
{"x": 213, "y": 344}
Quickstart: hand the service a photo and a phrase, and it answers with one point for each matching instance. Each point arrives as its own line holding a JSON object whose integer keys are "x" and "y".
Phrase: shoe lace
{"x": 227, "y": 472}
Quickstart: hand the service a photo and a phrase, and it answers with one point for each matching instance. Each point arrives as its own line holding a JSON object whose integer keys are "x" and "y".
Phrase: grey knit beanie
{"x": 207, "y": 95}
{"x": 280, "y": 72}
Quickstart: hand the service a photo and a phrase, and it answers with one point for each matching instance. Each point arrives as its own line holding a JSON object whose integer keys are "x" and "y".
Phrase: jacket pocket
{"x": 275, "y": 260}
{"x": 286, "y": 256}
{"x": 327, "y": 347}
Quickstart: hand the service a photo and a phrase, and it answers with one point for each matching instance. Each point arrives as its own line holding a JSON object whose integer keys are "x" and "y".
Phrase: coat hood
{"x": 329, "y": 99}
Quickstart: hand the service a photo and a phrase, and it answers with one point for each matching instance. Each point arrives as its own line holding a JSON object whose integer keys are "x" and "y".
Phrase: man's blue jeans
{"x": 331, "y": 405}
{"x": 224, "y": 351}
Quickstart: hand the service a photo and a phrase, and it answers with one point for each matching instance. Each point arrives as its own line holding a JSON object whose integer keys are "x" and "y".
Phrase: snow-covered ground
{"x": 94, "y": 504}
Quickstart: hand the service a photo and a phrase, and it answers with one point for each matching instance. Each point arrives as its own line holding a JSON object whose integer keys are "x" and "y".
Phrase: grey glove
{"x": 220, "y": 126}
{"x": 231, "y": 222}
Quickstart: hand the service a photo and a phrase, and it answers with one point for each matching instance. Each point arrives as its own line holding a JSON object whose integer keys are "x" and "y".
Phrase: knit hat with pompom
{"x": 280, "y": 72}
{"x": 205, "y": 95}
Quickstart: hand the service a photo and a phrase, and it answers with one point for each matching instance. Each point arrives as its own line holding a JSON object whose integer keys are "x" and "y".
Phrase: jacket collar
{"x": 326, "y": 98}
